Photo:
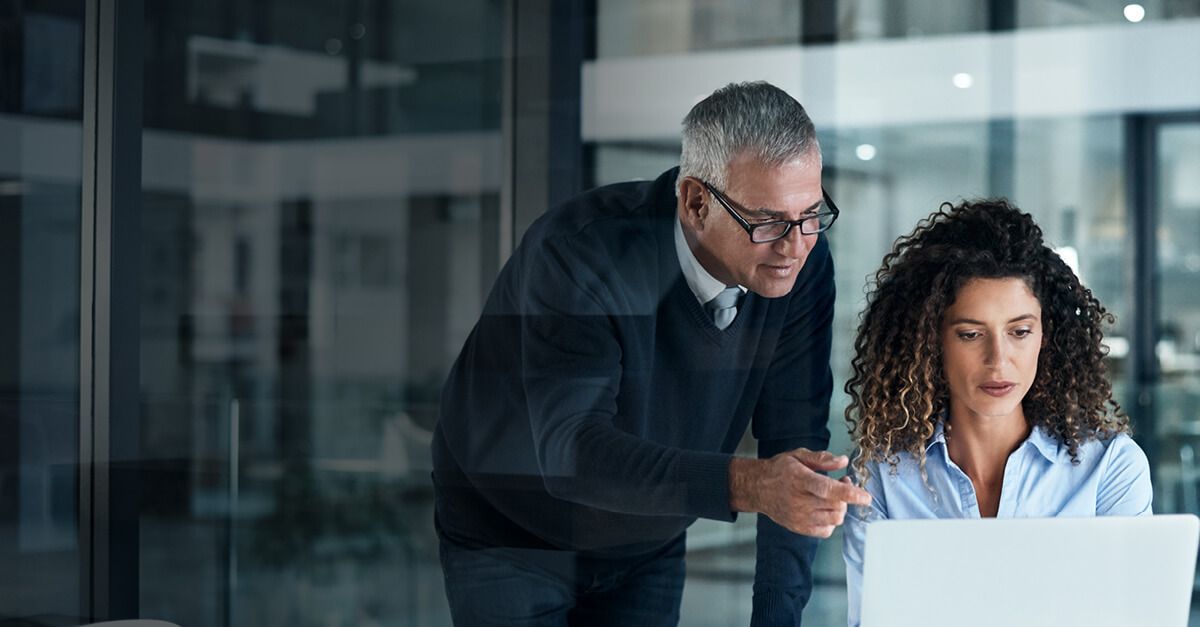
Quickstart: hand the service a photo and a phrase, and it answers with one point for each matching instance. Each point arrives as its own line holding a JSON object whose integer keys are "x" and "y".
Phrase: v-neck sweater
{"x": 595, "y": 406}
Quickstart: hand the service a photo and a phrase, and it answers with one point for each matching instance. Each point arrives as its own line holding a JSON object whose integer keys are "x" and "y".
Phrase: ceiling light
{"x": 865, "y": 152}
{"x": 1135, "y": 13}
{"x": 962, "y": 80}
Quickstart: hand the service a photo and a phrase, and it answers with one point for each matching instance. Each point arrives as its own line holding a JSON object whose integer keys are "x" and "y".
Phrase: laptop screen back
{"x": 1060, "y": 572}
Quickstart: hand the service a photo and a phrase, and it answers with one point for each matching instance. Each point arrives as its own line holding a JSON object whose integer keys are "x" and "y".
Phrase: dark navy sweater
{"x": 595, "y": 406}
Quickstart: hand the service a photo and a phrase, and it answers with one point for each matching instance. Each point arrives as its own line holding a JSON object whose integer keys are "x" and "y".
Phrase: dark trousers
{"x": 495, "y": 586}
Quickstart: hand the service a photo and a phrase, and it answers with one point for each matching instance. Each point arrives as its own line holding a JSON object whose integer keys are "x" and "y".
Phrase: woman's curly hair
{"x": 898, "y": 390}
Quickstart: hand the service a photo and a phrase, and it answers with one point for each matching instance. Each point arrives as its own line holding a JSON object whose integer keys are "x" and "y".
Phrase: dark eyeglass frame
{"x": 750, "y": 228}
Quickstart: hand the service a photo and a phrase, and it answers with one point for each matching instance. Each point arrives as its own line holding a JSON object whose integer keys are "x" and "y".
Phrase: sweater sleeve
{"x": 793, "y": 412}
{"x": 572, "y": 365}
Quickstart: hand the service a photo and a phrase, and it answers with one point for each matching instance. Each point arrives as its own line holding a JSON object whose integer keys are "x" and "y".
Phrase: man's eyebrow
{"x": 1019, "y": 318}
{"x": 779, "y": 215}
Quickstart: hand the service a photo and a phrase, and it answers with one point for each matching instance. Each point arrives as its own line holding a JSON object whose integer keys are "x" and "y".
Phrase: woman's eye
{"x": 968, "y": 335}
{"x": 1022, "y": 332}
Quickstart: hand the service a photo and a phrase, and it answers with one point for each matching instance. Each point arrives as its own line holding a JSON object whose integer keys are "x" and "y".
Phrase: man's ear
{"x": 693, "y": 203}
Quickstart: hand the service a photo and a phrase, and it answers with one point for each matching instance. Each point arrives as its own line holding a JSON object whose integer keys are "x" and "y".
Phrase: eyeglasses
{"x": 763, "y": 232}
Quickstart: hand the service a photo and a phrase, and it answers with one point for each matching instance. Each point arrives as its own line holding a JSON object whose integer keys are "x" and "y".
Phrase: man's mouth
{"x": 779, "y": 271}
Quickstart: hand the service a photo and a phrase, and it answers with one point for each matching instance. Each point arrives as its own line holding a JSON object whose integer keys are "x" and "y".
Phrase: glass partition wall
{"x": 914, "y": 109}
{"x": 41, "y": 117}
{"x": 326, "y": 190}
{"x": 320, "y": 223}
{"x": 1066, "y": 172}
{"x": 1176, "y": 211}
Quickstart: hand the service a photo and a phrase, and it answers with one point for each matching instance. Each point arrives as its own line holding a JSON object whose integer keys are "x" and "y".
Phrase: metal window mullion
{"x": 102, "y": 373}
{"x": 818, "y": 23}
{"x": 1140, "y": 156}
{"x": 109, "y": 251}
{"x": 1002, "y": 132}
{"x": 542, "y": 92}
{"x": 87, "y": 278}
{"x": 507, "y": 221}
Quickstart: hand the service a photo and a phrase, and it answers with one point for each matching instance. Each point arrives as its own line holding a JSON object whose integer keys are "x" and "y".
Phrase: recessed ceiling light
{"x": 962, "y": 80}
{"x": 1135, "y": 13}
{"x": 865, "y": 152}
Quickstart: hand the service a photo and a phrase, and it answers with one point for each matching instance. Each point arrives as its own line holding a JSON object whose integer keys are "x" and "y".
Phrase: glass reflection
{"x": 41, "y": 81}
{"x": 1178, "y": 348}
{"x": 320, "y": 225}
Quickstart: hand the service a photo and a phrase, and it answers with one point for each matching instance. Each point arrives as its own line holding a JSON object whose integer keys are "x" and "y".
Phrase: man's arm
{"x": 790, "y": 490}
{"x": 792, "y": 413}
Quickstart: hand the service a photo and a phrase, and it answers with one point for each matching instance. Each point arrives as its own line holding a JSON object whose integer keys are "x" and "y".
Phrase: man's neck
{"x": 706, "y": 259}
{"x": 700, "y": 278}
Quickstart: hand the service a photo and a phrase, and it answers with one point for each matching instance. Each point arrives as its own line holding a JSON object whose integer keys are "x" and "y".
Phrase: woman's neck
{"x": 980, "y": 445}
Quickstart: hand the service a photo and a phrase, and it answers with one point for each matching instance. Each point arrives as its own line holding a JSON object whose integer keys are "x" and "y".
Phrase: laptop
{"x": 1030, "y": 572}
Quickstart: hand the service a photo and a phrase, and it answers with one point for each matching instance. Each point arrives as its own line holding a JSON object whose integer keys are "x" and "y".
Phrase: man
{"x": 634, "y": 335}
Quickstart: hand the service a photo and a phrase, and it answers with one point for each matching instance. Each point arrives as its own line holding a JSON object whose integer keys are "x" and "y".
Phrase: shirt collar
{"x": 703, "y": 285}
{"x": 939, "y": 436}
{"x": 1045, "y": 443}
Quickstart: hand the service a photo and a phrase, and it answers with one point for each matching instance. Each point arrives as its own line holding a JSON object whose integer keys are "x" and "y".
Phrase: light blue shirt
{"x": 1112, "y": 479}
{"x": 704, "y": 285}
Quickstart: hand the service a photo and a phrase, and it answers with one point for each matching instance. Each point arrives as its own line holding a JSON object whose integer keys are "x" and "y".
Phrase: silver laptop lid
{"x": 1060, "y": 572}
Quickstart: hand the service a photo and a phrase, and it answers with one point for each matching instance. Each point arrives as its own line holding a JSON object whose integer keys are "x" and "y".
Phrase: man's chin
{"x": 773, "y": 289}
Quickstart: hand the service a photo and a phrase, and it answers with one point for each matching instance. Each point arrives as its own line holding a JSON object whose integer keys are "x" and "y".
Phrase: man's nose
{"x": 795, "y": 244}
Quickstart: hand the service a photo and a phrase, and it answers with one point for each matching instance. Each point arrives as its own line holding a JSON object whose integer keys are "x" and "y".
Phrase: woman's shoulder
{"x": 1121, "y": 450}
{"x": 1123, "y": 473}
{"x": 1118, "y": 450}
{"x": 1116, "y": 444}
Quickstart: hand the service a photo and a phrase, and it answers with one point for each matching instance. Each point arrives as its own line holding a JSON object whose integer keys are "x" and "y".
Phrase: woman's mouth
{"x": 997, "y": 388}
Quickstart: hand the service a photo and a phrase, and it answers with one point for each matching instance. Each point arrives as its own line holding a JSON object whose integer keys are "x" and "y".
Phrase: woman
{"x": 979, "y": 384}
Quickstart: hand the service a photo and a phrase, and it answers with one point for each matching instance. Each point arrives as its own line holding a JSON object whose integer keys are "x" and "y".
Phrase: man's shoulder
{"x": 608, "y": 243}
{"x": 608, "y": 211}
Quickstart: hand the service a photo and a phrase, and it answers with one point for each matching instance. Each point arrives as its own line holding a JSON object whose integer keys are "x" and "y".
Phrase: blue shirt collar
{"x": 1045, "y": 443}
{"x": 704, "y": 285}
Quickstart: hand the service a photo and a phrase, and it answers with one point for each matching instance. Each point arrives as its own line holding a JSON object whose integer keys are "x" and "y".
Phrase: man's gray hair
{"x": 755, "y": 117}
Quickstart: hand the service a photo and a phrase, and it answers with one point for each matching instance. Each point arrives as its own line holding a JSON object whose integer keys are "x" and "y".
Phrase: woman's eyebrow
{"x": 1019, "y": 318}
